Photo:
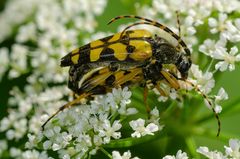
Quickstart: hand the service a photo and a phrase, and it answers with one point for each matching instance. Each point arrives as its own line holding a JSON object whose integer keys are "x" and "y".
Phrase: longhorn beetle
{"x": 127, "y": 58}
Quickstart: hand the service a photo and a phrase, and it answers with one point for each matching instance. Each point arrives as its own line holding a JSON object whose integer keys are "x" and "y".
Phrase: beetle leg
{"x": 128, "y": 77}
{"x": 171, "y": 79}
{"x": 89, "y": 83}
{"x": 68, "y": 105}
{"x": 160, "y": 90}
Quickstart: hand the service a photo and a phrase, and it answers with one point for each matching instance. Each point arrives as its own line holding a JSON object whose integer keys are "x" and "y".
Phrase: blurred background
{"x": 34, "y": 35}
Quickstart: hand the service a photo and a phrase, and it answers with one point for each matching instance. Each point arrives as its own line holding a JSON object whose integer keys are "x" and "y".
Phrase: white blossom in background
{"x": 126, "y": 155}
{"x": 234, "y": 148}
{"x": 179, "y": 155}
{"x": 141, "y": 130}
{"x": 26, "y": 8}
{"x": 209, "y": 46}
{"x": 210, "y": 154}
{"x": 217, "y": 25}
{"x": 204, "y": 80}
{"x": 154, "y": 118}
{"x": 229, "y": 59}
{"x": 42, "y": 34}
{"x": 233, "y": 151}
{"x": 221, "y": 96}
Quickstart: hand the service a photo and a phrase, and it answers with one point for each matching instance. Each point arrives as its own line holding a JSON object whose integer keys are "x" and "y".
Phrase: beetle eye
{"x": 184, "y": 66}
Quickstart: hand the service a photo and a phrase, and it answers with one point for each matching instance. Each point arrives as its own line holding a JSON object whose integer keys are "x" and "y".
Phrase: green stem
{"x": 114, "y": 116}
{"x": 191, "y": 144}
{"x": 105, "y": 152}
{"x": 210, "y": 65}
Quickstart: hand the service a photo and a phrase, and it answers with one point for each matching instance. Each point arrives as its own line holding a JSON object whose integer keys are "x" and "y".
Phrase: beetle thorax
{"x": 165, "y": 52}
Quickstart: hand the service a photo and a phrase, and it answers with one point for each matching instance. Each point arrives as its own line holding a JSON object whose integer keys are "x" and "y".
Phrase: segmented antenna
{"x": 209, "y": 102}
{"x": 178, "y": 23}
{"x": 134, "y": 24}
{"x": 156, "y": 24}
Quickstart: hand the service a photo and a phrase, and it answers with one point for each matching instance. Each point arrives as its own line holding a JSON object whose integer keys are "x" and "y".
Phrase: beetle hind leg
{"x": 67, "y": 105}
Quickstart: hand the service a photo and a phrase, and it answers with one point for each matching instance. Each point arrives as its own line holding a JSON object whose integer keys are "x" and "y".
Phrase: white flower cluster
{"x": 38, "y": 34}
{"x": 229, "y": 33}
{"x": 81, "y": 131}
{"x": 126, "y": 155}
{"x": 233, "y": 151}
{"x": 179, "y": 155}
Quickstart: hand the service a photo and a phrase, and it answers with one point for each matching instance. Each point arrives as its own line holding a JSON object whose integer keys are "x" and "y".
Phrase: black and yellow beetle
{"x": 127, "y": 58}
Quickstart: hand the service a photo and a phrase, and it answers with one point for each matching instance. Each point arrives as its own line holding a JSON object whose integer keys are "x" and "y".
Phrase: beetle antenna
{"x": 208, "y": 101}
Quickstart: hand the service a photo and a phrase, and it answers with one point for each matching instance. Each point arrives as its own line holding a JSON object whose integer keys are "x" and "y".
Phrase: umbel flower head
{"x": 86, "y": 128}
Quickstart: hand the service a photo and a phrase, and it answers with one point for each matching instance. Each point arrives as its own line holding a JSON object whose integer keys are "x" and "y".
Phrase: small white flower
{"x": 48, "y": 133}
{"x": 20, "y": 127}
{"x": 210, "y": 46}
{"x": 31, "y": 141}
{"x": 173, "y": 94}
{"x": 27, "y": 32}
{"x": 210, "y": 154}
{"x": 5, "y": 124}
{"x": 229, "y": 59}
{"x": 140, "y": 129}
{"x": 34, "y": 154}
{"x": 218, "y": 109}
{"x": 66, "y": 156}
{"x": 56, "y": 147}
{"x": 47, "y": 144}
{"x": 154, "y": 118}
{"x": 234, "y": 148}
{"x": 218, "y": 25}
{"x": 97, "y": 140}
{"x": 119, "y": 96}
{"x": 232, "y": 32}
{"x": 109, "y": 131}
{"x": 15, "y": 152}
{"x": 10, "y": 134}
{"x": 207, "y": 47}
{"x": 83, "y": 142}
{"x": 162, "y": 99}
{"x": 222, "y": 95}
{"x": 179, "y": 155}
{"x": 123, "y": 110}
{"x": 126, "y": 155}
{"x": 204, "y": 81}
